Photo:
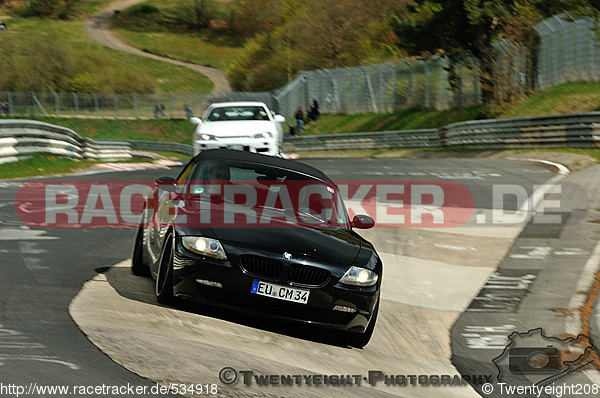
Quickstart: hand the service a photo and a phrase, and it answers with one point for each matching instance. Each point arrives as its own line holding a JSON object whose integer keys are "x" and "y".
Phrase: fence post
{"x": 394, "y": 85}
{"x": 96, "y": 105}
{"x": 135, "y": 107}
{"x": 75, "y": 104}
{"x": 354, "y": 90}
{"x": 116, "y": 104}
{"x": 411, "y": 84}
{"x": 306, "y": 87}
{"x": 442, "y": 102}
{"x": 427, "y": 87}
{"x": 11, "y": 110}
{"x": 370, "y": 90}
{"x": 56, "y": 105}
{"x": 380, "y": 81}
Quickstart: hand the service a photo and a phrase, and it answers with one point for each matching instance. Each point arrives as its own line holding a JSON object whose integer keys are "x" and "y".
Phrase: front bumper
{"x": 226, "y": 285}
{"x": 265, "y": 146}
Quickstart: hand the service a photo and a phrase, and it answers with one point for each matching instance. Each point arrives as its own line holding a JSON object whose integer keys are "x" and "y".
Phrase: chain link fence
{"x": 365, "y": 89}
{"x": 569, "y": 51}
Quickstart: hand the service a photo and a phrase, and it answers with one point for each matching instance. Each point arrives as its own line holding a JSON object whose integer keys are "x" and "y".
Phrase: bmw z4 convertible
{"x": 262, "y": 235}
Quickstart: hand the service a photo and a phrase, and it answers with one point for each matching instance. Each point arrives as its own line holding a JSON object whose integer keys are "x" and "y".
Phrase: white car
{"x": 246, "y": 126}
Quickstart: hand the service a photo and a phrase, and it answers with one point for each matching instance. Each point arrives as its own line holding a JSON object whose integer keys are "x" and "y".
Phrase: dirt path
{"x": 98, "y": 28}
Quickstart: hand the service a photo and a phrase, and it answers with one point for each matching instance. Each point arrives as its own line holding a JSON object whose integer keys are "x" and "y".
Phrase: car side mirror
{"x": 279, "y": 119}
{"x": 362, "y": 221}
{"x": 195, "y": 120}
{"x": 167, "y": 184}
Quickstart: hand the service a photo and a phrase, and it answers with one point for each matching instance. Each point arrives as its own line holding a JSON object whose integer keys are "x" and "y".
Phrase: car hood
{"x": 241, "y": 128}
{"x": 331, "y": 246}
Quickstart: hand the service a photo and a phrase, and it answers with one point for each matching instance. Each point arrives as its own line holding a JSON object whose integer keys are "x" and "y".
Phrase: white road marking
{"x": 24, "y": 234}
{"x": 7, "y": 342}
{"x": 533, "y": 253}
{"x": 487, "y": 337}
{"x": 451, "y": 247}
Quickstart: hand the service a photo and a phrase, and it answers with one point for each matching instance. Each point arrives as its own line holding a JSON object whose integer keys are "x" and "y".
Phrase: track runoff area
{"x": 472, "y": 267}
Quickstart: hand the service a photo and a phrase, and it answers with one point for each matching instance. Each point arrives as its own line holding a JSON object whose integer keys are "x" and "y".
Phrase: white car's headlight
{"x": 358, "y": 276}
{"x": 205, "y": 246}
{"x": 205, "y": 137}
{"x": 266, "y": 134}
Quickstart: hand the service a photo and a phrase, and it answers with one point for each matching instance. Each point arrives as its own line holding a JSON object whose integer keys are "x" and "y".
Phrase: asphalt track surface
{"x": 44, "y": 269}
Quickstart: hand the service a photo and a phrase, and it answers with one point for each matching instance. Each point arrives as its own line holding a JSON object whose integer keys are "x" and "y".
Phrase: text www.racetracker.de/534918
{"x": 33, "y": 389}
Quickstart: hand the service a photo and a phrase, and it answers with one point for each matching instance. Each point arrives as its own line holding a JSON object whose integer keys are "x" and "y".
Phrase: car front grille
{"x": 261, "y": 266}
{"x": 310, "y": 276}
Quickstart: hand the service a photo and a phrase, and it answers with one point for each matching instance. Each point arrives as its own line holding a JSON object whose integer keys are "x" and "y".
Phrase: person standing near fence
{"x": 300, "y": 119}
{"x": 189, "y": 113}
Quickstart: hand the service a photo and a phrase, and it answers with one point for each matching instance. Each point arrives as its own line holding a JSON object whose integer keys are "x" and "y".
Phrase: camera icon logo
{"x": 534, "y": 360}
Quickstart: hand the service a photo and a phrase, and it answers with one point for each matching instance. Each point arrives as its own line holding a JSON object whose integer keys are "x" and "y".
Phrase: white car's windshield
{"x": 228, "y": 113}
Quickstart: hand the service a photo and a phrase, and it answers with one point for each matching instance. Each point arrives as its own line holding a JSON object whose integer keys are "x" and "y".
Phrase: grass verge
{"x": 42, "y": 164}
{"x": 164, "y": 130}
{"x": 410, "y": 119}
{"x": 562, "y": 99}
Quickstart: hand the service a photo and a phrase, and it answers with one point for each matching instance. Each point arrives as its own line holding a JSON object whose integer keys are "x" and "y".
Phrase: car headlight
{"x": 205, "y": 137}
{"x": 358, "y": 276}
{"x": 266, "y": 134}
{"x": 205, "y": 246}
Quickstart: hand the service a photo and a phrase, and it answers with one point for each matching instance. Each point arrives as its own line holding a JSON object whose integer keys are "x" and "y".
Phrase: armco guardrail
{"x": 580, "y": 130}
{"x": 19, "y": 138}
{"x": 577, "y": 131}
{"x": 359, "y": 141}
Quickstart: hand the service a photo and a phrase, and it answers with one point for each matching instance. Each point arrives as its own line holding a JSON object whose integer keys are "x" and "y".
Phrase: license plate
{"x": 280, "y": 292}
{"x": 237, "y": 147}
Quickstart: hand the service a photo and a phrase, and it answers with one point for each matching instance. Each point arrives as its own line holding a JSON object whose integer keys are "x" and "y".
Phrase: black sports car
{"x": 264, "y": 235}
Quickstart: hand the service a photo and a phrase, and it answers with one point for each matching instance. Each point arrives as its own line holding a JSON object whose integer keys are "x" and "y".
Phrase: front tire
{"x": 164, "y": 278}
{"x": 138, "y": 267}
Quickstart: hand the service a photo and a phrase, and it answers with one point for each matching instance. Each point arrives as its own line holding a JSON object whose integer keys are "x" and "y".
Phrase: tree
{"x": 455, "y": 27}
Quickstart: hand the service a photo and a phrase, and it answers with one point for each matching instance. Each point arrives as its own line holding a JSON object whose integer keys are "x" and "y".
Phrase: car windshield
{"x": 271, "y": 191}
{"x": 228, "y": 113}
